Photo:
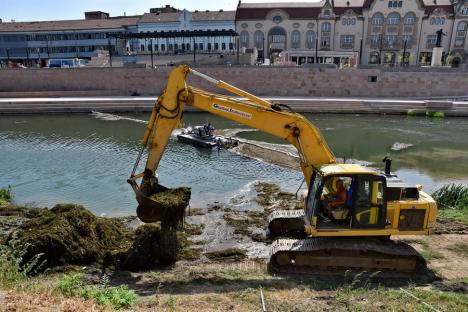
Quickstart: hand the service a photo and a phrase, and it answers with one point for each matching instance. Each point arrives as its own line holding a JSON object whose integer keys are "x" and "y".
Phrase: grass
{"x": 461, "y": 248}
{"x": 120, "y": 297}
{"x": 430, "y": 254}
{"x": 5, "y": 196}
{"x": 452, "y": 201}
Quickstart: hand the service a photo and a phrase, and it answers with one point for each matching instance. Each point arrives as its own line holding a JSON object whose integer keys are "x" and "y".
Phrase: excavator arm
{"x": 250, "y": 111}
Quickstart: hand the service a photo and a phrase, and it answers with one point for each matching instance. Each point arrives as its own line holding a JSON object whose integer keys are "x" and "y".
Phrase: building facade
{"x": 380, "y": 32}
{"x": 172, "y": 20}
{"x": 30, "y": 42}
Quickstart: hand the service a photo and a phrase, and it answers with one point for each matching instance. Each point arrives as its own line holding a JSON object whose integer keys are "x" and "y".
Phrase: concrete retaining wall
{"x": 265, "y": 81}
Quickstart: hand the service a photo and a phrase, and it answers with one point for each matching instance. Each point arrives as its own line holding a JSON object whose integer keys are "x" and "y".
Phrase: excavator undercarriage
{"x": 302, "y": 255}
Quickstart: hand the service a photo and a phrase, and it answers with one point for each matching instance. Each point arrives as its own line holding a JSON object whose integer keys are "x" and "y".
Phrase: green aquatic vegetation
{"x": 70, "y": 234}
{"x": 435, "y": 114}
{"x": 172, "y": 203}
{"x": 119, "y": 297}
{"x": 411, "y": 112}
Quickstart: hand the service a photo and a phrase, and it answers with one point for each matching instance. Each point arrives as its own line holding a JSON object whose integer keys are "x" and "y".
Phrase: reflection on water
{"x": 83, "y": 159}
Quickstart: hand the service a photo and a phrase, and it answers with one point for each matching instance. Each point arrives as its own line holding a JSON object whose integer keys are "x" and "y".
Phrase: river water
{"x": 85, "y": 159}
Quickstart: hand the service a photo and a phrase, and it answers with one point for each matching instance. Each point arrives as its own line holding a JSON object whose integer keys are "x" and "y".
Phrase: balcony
{"x": 376, "y": 29}
{"x": 347, "y": 45}
{"x": 408, "y": 29}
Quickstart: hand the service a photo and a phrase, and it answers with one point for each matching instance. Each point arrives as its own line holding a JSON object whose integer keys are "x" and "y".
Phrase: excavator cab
{"x": 346, "y": 201}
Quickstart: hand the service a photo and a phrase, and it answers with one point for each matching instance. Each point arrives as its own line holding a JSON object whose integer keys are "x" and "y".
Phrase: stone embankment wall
{"x": 264, "y": 81}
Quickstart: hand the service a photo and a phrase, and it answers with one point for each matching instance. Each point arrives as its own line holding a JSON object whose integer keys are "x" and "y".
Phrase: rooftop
{"x": 108, "y": 23}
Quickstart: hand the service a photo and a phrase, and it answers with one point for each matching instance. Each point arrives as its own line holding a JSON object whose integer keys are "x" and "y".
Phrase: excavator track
{"x": 304, "y": 255}
{"x": 286, "y": 223}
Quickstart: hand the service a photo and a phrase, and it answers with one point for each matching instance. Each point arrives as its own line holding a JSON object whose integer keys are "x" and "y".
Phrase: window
{"x": 277, "y": 19}
{"x": 459, "y": 42}
{"x": 431, "y": 41}
{"x": 142, "y": 48}
{"x": 258, "y": 39}
{"x": 348, "y": 21}
{"x": 295, "y": 39}
{"x": 461, "y": 26}
{"x": 216, "y": 46}
{"x": 326, "y": 12}
{"x": 209, "y": 46}
{"x": 326, "y": 27}
{"x": 244, "y": 39}
{"x": 437, "y": 21}
{"x": 464, "y": 11}
{"x": 231, "y": 46}
{"x": 176, "y": 46}
{"x": 200, "y": 46}
{"x": 375, "y": 41}
{"x": 395, "y": 4}
{"x": 310, "y": 39}
{"x": 409, "y": 19}
{"x": 347, "y": 41}
{"x": 187, "y": 46}
{"x": 407, "y": 38}
{"x": 391, "y": 40}
{"x": 393, "y": 19}
{"x": 325, "y": 42}
{"x": 377, "y": 19}
{"x": 374, "y": 58}
{"x": 163, "y": 47}
{"x": 170, "y": 47}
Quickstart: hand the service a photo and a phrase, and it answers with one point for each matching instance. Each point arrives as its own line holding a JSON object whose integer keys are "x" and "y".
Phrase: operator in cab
{"x": 335, "y": 203}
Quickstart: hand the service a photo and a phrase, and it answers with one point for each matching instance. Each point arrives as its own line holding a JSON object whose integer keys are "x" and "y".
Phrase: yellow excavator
{"x": 354, "y": 234}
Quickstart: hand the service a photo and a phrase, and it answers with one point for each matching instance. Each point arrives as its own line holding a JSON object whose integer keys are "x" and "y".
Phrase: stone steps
{"x": 140, "y": 104}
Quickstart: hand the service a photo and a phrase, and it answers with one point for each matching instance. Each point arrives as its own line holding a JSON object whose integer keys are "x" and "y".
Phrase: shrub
{"x": 452, "y": 196}
{"x": 435, "y": 114}
{"x": 13, "y": 270}
{"x": 115, "y": 297}
{"x": 5, "y": 196}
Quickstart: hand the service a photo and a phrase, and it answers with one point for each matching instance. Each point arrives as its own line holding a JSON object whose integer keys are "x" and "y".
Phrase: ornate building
{"x": 387, "y": 32}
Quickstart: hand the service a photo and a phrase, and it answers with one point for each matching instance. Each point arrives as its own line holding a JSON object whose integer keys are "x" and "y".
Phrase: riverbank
{"x": 234, "y": 275}
{"x": 455, "y": 106}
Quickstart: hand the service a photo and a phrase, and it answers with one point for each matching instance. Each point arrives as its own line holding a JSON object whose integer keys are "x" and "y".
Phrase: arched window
{"x": 295, "y": 39}
{"x": 377, "y": 19}
{"x": 244, "y": 38}
{"x": 310, "y": 39}
{"x": 258, "y": 37}
{"x": 326, "y": 27}
{"x": 409, "y": 19}
{"x": 461, "y": 26}
{"x": 393, "y": 19}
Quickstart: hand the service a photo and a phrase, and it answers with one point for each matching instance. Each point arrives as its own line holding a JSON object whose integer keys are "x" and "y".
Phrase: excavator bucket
{"x": 166, "y": 205}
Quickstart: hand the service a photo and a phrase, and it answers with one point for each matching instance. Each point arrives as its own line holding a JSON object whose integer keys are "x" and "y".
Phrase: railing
{"x": 461, "y": 34}
{"x": 347, "y": 45}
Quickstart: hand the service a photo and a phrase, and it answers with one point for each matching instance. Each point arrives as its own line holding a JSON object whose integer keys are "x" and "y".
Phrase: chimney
{"x": 96, "y": 15}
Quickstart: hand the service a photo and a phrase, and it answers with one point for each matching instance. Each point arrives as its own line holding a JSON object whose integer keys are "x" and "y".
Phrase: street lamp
{"x": 403, "y": 59}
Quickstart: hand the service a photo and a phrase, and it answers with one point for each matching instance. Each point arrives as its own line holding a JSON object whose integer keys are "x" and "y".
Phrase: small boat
{"x": 198, "y": 136}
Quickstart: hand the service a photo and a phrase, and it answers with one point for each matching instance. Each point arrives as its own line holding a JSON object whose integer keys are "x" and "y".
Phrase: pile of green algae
{"x": 69, "y": 234}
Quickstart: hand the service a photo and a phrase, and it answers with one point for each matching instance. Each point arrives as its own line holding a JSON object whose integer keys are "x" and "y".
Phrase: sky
{"x": 47, "y": 10}
{"x": 44, "y": 10}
